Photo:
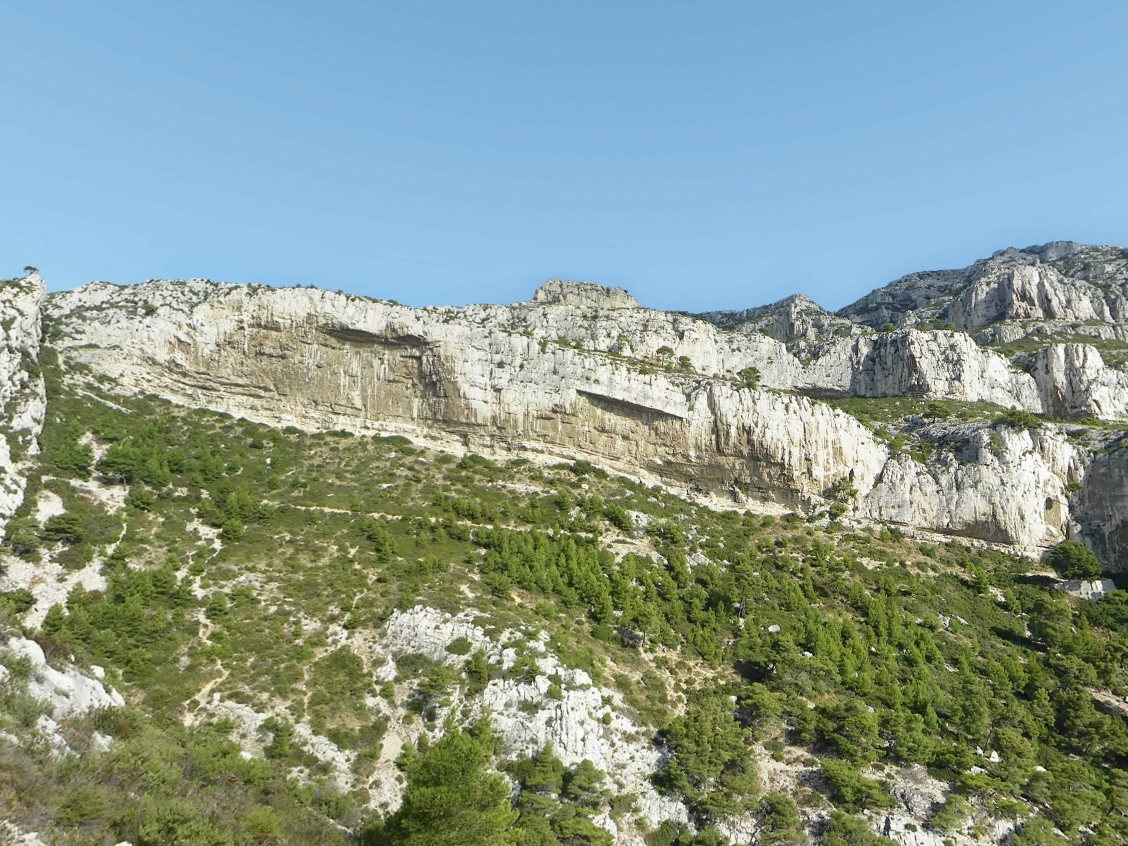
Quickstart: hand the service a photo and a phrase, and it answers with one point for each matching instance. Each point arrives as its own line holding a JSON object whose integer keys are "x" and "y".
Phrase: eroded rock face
{"x": 1060, "y": 281}
{"x": 940, "y": 365}
{"x": 583, "y": 294}
{"x": 995, "y": 483}
{"x": 1033, "y": 292}
{"x": 493, "y": 377}
{"x": 1103, "y": 506}
{"x": 526, "y": 716}
{"x": 1073, "y": 381}
{"x": 68, "y": 692}
{"x": 21, "y": 386}
{"x": 582, "y": 373}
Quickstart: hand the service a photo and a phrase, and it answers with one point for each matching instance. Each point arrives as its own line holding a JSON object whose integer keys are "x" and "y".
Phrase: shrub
{"x": 937, "y": 411}
{"x": 459, "y": 646}
{"x": 452, "y": 797}
{"x": 848, "y": 727}
{"x": 850, "y": 790}
{"x": 618, "y": 517}
{"x": 22, "y": 535}
{"x": 63, "y": 528}
{"x": 140, "y": 498}
{"x": 1037, "y": 831}
{"x": 66, "y": 456}
{"x": 845, "y": 830}
{"x": 477, "y": 670}
{"x": 709, "y": 761}
{"x": 750, "y": 377}
{"x": 780, "y": 823}
{"x": 1073, "y": 560}
{"x": 473, "y": 461}
{"x": 1018, "y": 418}
{"x": 950, "y": 817}
{"x": 842, "y": 490}
{"x": 16, "y": 602}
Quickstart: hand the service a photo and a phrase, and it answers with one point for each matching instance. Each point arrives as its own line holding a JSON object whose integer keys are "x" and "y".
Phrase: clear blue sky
{"x": 702, "y": 155}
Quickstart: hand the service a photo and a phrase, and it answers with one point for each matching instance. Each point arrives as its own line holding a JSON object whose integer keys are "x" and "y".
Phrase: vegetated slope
{"x": 307, "y": 625}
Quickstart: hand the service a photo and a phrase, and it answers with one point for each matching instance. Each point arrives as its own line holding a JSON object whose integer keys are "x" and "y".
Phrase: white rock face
{"x": 248, "y": 734}
{"x": 1033, "y": 292}
{"x": 934, "y": 364}
{"x": 68, "y": 692}
{"x": 582, "y": 372}
{"x": 507, "y": 378}
{"x": 21, "y": 387}
{"x": 428, "y": 631}
{"x": 1074, "y": 382}
{"x": 1006, "y": 485}
{"x": 1056, "y": 283}
{"x": 1091, "y": 589}
{"x": 49, "y": 583}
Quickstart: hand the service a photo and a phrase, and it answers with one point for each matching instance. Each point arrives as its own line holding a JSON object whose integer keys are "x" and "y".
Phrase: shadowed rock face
{"x": 795, "y": 318}
{"x": 1073, "y": 381}
{"x": 1103, "y": 506}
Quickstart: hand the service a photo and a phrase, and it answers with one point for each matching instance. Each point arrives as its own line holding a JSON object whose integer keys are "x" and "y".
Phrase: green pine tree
{"x": 452, "y": 798}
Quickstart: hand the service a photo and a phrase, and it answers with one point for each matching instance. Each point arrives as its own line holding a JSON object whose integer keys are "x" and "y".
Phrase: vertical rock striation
{"x": 21, "y": 385}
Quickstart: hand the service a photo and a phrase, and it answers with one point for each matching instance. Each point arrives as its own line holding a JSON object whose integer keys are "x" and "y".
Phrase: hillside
{"x": 289, "y": 566}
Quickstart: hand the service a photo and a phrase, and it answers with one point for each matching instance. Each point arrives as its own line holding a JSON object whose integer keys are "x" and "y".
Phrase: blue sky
{"x": 702, "y": 155}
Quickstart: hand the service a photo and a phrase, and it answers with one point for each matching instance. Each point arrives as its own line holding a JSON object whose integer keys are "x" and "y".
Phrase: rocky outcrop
{"x": 1086, "y": 588}
{"x": 839, "y": 358}
{"x": 796, "y": 318}
{"x": 903, "y": 301}
{"x": 1073, "y": 381}
{"x": 583, "y": 294}
{"x": 67, "y": 692}
{"x": 1059, "y": 282}
{"x": 582, "y": 720}
{"x": 996, "y": 483}
{"x": 1102, "y": 506}
{"x": 21, "y": 385}
{"x": 912, "y": 363}
{"x": 1033, "y": 292}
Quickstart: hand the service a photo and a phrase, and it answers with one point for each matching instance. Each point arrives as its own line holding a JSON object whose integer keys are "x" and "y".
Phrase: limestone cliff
{"x": 530, "y": 377}
{"x": 21, "y": 385}
{"x": 1060, "y": 281}
{"x": 1103, "y": 506}
{"x": 996, "y": 483}
{"x": 583, "y": 372}
{"x": 1073, "y": 381}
